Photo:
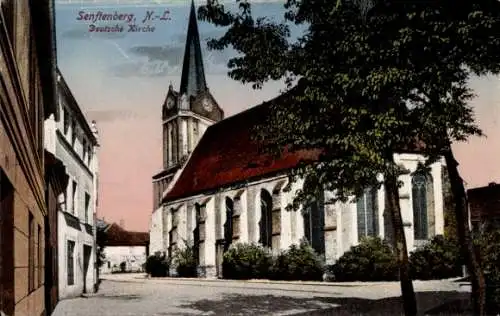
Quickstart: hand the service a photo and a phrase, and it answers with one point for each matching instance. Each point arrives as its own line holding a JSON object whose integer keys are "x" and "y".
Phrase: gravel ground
{"x": 134, "y": 295}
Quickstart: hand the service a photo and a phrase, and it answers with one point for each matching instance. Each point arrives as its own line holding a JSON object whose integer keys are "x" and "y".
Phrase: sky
{"x": 120, "y": 79}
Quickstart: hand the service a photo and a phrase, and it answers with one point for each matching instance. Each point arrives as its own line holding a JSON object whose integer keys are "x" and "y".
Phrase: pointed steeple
{"x": 193, "y": 74}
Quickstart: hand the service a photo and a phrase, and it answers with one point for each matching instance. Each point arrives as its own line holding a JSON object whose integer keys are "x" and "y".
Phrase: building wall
{"x": 133, "y": 256}
{"x": 156, "y": 232}
{"x": 75, "y": 146}
{"x": 22, "y": 112}
{"x": 340, "y": 229}
{"x": 80, "y": 239}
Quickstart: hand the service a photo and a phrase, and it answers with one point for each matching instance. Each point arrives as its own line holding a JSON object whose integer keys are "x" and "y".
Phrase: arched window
{"x": 196, "y": 233}
{"x": 228, "y": 225}
{"x": 421, "y": 188}
{"x": 173, "y": 231}
{"x": 170, "y": 143}
{"x": 314, "y": 224}
{"x": 266, "y": 223}
{"x": 367, "y": 213}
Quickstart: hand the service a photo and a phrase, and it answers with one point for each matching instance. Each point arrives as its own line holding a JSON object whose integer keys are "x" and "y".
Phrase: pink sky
{"x": 129, "y": 123}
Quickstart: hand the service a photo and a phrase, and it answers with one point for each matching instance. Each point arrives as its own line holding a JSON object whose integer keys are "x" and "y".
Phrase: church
{"x": 216, "y": 188}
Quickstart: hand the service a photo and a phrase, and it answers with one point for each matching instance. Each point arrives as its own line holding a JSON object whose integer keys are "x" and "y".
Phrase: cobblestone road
{"x": 132, "y": 295}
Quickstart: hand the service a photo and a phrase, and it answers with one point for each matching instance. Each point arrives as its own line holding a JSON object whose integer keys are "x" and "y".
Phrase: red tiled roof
{"x": 227, "y": 155}
{"x": 484, "y": 202}
{"x": 117, "y": 236}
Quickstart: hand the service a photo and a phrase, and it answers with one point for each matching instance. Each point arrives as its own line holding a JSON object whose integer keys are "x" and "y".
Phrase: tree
{"x": 371, "y": 82}
{"x": 453, "y": 43}
{"x": 358, "y": 127}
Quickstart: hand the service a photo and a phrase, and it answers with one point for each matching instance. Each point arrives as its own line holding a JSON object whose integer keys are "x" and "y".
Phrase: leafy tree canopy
{"x": 369, "y": 78}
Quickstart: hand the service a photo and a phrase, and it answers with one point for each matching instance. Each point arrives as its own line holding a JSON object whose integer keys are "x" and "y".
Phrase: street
{"x": 132, "y": 294}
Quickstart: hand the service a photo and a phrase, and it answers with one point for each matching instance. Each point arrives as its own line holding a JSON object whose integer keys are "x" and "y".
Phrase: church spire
{"x": 193, "y": 74}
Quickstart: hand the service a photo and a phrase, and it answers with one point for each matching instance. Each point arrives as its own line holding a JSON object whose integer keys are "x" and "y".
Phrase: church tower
{"x": 186, "y": 113}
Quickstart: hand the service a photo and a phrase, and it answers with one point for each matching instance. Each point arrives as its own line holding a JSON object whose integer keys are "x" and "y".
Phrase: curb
{"x": 259, "y": 281}
{"x": 270, "y": 282}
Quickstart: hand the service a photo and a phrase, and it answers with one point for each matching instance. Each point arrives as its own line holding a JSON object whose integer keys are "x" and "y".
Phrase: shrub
{"x": 298, "y": 263}
{"x": 123, "y": 266}
{"x": 439, "y": 259}
{"x": 246, "y": 261}
{"x": 489, "y": 248}
{"x": 186, "y": 263}
{"x": 372, "y": 260}
{"x": 157, "y": 265}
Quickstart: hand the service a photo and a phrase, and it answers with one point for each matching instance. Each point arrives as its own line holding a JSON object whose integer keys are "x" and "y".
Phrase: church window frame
{"x": 228, "y": 224}
{"x": 313, "y": 217}
{"x": 367, "y": 211}
{"x": 421, "y": 188}
{"x": 265, "y": 223}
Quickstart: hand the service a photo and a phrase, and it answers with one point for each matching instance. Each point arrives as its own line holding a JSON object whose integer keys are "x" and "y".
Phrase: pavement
{"x": 137, "y": 295}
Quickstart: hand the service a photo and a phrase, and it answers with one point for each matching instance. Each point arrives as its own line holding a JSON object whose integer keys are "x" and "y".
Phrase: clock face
{"x": 170, "y": 103}
{"x": 207, "y": 104}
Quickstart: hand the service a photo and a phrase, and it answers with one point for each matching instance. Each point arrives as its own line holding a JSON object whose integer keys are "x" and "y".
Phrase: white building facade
{"x": 124, "y": 251}
{"x": 255, "y": 213}
{"x": 132, "y": 258}
{"x": 72, "y": 140}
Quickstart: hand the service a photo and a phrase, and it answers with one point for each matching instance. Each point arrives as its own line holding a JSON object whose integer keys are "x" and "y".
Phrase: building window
{"x": 87, "y": 207}
{"x": 170, "y": 144}
{"x": 40, "y": 256}
{"x": 73, "y": 198}
{"x": 421, "y": 189}
{"x": 266, "y": 224}
{"x": 84, "y": 151}
{"x": 367, "y": 212}
{"x": 31, "y": 253}
{"x": 173, "y": 232}
{"x": 65, "y": 121}
{"x": 73, "y": 132}
{"x": 314, "y": 224}
{"x": 228, "y": 225}
{"x": 196, "y": 233}
{"x": 89, "y": 155}
{"x": 71, "y": 266}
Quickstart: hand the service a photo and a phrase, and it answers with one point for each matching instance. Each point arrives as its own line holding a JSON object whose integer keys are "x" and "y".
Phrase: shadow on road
{"x": 434, "y": 303}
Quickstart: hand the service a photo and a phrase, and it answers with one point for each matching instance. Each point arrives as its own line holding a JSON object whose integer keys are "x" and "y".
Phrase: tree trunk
{"x": 464, "y": 235}
{"x": 392, "y": 198}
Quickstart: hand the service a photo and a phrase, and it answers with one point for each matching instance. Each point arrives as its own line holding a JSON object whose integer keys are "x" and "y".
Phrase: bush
{"x": 123, "y": 266}
{"x": 439, "y": 259}
{"x": 246, "y": 261}
{"x": 186, "y": 263}
{"x": 157, "y": 265}
{"x": 371, "y": 260}
{"x": 298, "y": 263}
{"x": 489, "y": 248}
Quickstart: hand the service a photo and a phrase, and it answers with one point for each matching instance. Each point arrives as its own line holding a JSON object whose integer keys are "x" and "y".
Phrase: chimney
{"x": 122, "y": 223}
